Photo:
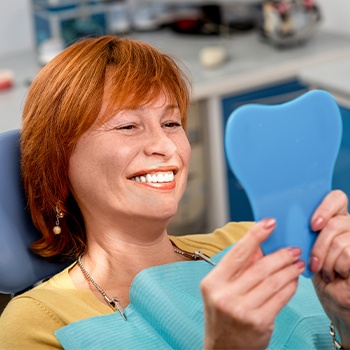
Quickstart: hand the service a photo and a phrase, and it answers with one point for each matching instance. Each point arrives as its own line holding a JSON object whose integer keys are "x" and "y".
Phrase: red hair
{"x": 63, "y": 102}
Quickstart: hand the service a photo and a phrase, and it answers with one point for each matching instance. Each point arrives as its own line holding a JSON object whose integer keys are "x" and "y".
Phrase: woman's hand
{"x": 246, "y": 291}
{"x": 330, "y": 260}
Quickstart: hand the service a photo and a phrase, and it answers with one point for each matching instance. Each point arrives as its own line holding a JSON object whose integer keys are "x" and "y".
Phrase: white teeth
{"x": 159, "y": 177}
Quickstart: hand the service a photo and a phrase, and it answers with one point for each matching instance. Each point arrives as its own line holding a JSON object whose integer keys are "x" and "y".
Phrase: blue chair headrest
{"x": 20, "y": 268}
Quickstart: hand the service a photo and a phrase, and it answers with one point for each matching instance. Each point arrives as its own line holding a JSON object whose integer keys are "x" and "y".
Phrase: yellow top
{"x": 30, "y": 319}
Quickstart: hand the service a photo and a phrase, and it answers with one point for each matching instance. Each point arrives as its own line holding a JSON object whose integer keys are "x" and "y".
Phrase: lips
{"x": 158, "y": 177}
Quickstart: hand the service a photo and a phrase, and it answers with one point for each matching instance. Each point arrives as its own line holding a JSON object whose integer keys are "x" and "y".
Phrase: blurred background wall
{"x": 16, "y": 30}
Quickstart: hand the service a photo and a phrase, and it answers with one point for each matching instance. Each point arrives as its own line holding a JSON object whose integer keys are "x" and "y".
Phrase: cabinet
{"x": 191, "y": 214}
{"x": 333, "y": 77}
{"x": 68, "y": 20}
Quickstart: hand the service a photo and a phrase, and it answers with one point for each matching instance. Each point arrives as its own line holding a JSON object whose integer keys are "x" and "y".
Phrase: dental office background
{"x": 16, "y": 30}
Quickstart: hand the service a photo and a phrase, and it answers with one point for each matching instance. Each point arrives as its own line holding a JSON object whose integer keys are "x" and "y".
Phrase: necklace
{"x": 114, "y": 303}
{"x": 197, "y": 255}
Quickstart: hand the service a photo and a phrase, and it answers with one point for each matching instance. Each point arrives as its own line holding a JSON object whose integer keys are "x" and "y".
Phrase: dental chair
{"x": 20, "y": 268}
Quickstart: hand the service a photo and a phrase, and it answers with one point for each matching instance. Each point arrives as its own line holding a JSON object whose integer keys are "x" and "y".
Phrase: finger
{"x": 245, "y": 251}
{"x": 256, "y": 256}
{"x": 271, "y": 286}
{"x": 335, "y": 203}
{"x": 263, "y": 269}
{"x": 335, "y": 291}
{"x": 334, "y": 253}
{"x": 267, "y": 308}
{"x": 340, "y": 246}
{"x": 336, "y": 226}
{"x": 276, "y": 303}
{"x": 342, "y": 264}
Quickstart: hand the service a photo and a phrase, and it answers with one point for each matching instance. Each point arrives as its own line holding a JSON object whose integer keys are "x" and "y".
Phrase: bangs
{"x": 140, "y": 77}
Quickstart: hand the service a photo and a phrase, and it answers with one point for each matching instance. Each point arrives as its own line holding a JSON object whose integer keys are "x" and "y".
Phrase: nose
{"x": 159, "y": 143}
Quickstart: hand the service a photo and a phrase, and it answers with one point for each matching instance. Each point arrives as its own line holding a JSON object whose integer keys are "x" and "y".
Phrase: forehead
{"x": 113, "y": 105}
{"x": 135, "y": 88}
{"x": 161, "y": 102}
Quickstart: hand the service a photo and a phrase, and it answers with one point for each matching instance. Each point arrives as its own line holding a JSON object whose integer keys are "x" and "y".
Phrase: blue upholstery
{"x": 20, "y": 269}
{"x": 284, "y": 156}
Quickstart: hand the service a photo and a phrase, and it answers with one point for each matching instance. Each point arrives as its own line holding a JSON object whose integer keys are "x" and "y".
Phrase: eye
{"x": 172, "y": 124}
{"x": 126, "y": 127}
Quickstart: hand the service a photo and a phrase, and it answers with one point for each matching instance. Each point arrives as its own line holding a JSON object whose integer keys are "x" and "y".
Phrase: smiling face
{"x": 132, "y": 167}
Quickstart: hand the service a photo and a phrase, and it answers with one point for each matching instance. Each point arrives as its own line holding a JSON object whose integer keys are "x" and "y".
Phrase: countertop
{"x": 251, "y": 63}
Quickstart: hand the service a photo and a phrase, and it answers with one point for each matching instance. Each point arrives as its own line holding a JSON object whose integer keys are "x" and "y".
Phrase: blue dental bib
{"x": 166, "y": 312}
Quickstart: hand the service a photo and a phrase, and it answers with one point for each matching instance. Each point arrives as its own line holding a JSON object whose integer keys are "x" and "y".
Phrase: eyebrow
{"x": 168, "y": 107}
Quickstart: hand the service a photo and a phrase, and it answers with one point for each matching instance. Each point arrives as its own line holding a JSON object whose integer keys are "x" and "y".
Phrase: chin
{"x": 162, "y": 215}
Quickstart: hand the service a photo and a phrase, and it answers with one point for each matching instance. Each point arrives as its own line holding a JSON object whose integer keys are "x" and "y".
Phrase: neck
{"x": 129, "y": 251}
{"x": 113, "y": 261}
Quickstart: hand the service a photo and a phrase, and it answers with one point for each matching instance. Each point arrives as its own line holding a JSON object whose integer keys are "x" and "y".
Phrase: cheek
{"x": 80, "y": 174}
{"x": 185, "y": 152}
{"x": 85, "y": 168}
{"x": 98, "y": 165}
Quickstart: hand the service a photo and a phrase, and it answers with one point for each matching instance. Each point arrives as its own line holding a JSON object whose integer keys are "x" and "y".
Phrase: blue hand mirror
{"x": 284, "y": 156}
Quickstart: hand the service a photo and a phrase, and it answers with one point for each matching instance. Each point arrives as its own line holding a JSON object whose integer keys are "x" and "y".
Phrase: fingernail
{"x": 314, "y": 264}
{"x": 296, "y": 252}
{"x": 268, "y": 223}
{"x": 300, "y": 264}
{"x": 317, "y": 223}
{"x": 325, "y": 277}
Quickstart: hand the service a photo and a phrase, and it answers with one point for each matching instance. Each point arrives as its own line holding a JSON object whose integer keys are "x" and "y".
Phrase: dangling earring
{"x": 59, "y": 215}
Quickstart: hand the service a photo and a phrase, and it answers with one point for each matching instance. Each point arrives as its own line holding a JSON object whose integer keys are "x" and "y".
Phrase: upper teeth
{"x": 159, "y": 177}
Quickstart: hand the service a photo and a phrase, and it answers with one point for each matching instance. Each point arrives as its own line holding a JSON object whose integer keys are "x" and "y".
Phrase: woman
{"x": 105, "y": 160}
